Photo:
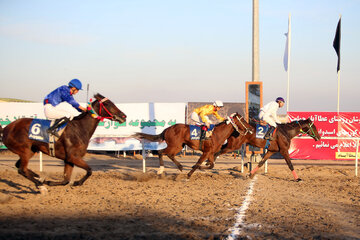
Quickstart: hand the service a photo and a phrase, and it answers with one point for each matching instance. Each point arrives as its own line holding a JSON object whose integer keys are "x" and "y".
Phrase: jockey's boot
{"x": 268, "y": 133}
{"x": 58, "y": 123}
{"x": 203, "y": 132}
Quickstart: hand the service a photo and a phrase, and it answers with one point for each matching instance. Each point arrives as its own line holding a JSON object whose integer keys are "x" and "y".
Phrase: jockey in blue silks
{"x": 59, "y": 95}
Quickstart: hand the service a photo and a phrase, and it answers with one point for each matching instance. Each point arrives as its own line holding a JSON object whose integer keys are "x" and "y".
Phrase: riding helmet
{"x": 280, "y": 99}
{"x": 218, "y": 103}
{"x": 76, "y": 84}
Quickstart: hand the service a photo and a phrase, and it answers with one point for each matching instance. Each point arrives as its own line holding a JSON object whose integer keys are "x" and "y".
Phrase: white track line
{"x": 236, "y": 229}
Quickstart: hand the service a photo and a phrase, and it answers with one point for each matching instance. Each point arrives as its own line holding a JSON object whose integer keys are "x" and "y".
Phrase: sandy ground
{"x": 119, "y": 201}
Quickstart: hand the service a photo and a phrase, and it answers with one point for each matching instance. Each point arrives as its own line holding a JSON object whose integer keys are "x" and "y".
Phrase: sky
{"x": 180, "y": 51}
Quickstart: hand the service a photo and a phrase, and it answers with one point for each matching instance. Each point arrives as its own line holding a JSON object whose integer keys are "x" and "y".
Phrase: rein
{"x": 96, "y": 115}
{"x": 230, "y": 119}
{"x": 248, "y": 130}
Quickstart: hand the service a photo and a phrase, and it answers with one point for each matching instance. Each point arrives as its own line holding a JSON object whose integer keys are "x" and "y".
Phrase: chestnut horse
{"x": 178, "y": 135}
{"x": 70, "y": 147}
{"x": 281, "y": 143}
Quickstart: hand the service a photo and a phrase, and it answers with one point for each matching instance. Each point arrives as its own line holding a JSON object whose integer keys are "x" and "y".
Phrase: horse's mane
{"x": 291, "y": 125}
{"x": 97, "y": 96}
{"x": 80, "y": 116}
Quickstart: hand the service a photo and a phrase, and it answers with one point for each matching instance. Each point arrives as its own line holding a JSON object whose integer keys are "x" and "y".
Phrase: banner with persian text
{"x": 328, "y": 124}
{"x": 151, "y": 118}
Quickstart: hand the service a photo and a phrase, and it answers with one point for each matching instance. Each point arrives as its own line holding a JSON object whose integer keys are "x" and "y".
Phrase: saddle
{"x": 38, "y": 129}
{"x": 196, "y": 131}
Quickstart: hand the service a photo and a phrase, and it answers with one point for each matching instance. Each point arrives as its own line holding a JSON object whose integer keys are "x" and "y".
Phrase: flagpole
{"x": 338, "y": 93}
{"x": 288, "y": 65}
{"x": 337, "y": 45}
{"x": 338, "y": 76}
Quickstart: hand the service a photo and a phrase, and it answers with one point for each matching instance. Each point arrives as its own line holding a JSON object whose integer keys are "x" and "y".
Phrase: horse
{"x": 178, "y": 135}
{"x": 70, "y": 147}
{"x": 281, "y": 143}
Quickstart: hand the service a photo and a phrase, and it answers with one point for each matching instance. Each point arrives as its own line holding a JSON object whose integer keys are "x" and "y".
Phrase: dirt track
{"x": 120, "y": 202}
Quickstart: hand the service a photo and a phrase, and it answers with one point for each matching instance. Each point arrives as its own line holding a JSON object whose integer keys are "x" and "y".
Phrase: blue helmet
{"x": 75, "y": 83}
{"x": 280, "y": 99}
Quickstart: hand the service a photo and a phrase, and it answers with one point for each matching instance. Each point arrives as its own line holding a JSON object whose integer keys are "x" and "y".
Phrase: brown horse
{"x": 281, "y": 143}
{"x": 70, "y": 147}
{"x": 178, "y": 135}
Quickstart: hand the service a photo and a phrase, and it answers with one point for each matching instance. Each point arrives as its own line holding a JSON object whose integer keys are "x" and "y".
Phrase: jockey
{"x": 200, "y": 115}
{"x": 268, "y": 113}
{"x": 59, "y": 95}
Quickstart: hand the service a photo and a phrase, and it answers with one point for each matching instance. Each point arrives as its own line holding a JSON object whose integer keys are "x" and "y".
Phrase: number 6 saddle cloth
{"x": 38, "y": 127}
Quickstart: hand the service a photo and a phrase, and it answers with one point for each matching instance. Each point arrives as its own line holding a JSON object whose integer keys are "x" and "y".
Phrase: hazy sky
{"x": 179, "y": 50}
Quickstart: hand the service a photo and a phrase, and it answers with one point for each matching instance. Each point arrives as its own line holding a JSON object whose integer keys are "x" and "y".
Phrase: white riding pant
{"x": 197, "y": 119}
{"x": 56, "y": 112}
{"x": 267, "y": 118}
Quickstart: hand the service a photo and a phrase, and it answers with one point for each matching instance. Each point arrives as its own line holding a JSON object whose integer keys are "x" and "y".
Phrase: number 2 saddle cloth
{"x": 261, "y": 130}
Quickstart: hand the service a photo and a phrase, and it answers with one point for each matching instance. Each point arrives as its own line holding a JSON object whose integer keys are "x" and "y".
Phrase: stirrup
{"x": 53, "y": 132}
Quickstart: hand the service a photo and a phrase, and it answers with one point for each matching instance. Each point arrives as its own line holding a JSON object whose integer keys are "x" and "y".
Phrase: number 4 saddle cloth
{"x": 195, "y": 131}
{"x": 38, "y": 129}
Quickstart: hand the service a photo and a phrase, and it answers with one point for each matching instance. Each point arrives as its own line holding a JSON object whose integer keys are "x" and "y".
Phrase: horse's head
{"x": 240, "y": 123}
{"x": 104, "y": 108}
{"x": 309, "y": 128}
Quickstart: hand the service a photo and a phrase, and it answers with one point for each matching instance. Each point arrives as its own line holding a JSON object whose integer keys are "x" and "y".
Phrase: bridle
{"x": 96, "y": 115}
{"x": 231, "y": 120}
{"x": 312, "y": 134}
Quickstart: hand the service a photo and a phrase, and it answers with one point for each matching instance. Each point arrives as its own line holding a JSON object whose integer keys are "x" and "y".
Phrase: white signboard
{"x": 150, "y": 118}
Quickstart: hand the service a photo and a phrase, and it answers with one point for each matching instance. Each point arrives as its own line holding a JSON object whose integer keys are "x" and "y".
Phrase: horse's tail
{"x": 149, "y": 137}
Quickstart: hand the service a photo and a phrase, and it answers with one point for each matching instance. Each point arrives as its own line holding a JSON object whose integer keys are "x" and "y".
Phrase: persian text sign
{"x": 150, "y": 118}
{"x": 328, "y": 124}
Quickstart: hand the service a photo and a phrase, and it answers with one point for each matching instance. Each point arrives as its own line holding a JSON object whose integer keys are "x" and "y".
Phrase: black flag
{"x": 336, "y": 43}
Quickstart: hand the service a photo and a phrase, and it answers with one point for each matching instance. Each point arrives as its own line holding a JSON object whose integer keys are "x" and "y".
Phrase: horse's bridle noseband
{"x": 313, "y": 135}
{"x": 96, "y": 115}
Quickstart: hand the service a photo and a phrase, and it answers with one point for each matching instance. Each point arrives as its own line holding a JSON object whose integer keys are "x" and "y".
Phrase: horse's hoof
{"x": 161, "y": 170}
{"x": 77, "y": 184}
{"x": 43, "y": 190}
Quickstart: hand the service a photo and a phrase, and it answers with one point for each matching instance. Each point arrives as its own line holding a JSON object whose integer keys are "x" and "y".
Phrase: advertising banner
{"x": 329, "y": 125}
{"x": 150, "y": 118}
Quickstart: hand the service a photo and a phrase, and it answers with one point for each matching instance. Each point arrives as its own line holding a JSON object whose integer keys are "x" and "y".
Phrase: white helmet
{"x": 218, "y": 103}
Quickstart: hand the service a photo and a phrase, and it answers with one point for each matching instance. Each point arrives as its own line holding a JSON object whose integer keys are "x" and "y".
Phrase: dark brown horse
{"x": 178, "y": 135}
{"x": 281, "y": 143}
{"x": 70, "y": 147}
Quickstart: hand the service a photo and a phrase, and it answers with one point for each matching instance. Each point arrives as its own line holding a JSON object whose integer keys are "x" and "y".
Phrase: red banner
{"x": 329, "y": 125}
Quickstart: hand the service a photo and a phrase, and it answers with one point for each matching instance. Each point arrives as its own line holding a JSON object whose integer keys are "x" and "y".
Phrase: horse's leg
{"x": 22, "y": 165}
{"x": 266, "y": 157}
{"x": 203, "y": 157}
{"x": 233, "y": 144}
{"x": 79, "y": 162}
{"x": 210, "y": 164}
{"x": 161, "y": 163}
{"x": 286, "y": 156}
{"x": 35, "y": 175}
{"x": 67, "y": 175}
{"x": 171, "y": 152}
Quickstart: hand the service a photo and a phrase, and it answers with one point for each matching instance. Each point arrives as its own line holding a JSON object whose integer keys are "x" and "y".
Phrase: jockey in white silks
{"x": 268, "y": 113}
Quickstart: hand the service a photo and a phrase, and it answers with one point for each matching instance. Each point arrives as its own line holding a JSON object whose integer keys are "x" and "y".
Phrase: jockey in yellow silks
{"x": 200, "y": 115}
